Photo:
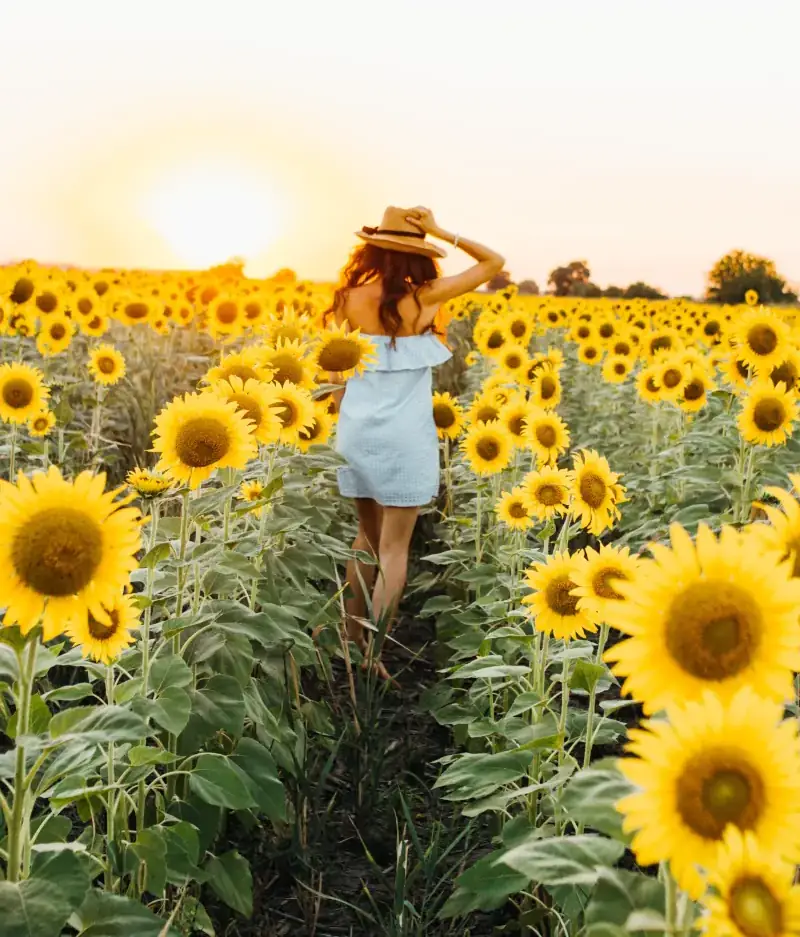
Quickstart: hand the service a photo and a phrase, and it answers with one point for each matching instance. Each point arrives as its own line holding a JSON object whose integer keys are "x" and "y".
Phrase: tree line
{"x": 731, "y": 277}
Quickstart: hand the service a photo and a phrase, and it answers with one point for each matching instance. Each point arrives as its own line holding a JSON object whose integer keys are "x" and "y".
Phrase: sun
{"x": 208, "y": 213}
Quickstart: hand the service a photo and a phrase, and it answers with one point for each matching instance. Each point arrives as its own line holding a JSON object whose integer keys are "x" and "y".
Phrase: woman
{"x": 392, "y": 291}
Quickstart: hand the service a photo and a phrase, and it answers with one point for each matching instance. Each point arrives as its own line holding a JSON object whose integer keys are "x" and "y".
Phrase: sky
{"x": 645, "y": 136}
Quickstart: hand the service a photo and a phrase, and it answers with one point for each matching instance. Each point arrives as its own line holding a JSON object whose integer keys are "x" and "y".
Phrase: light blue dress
{"x": 386, "y": 430}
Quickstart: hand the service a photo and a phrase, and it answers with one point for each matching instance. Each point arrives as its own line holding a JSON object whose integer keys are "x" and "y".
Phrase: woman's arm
{"x": 445, "y": 288}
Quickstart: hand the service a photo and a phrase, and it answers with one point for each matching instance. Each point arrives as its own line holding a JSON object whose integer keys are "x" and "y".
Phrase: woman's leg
{"x": 395, "y": 540}
{"x": 361, "y": 576}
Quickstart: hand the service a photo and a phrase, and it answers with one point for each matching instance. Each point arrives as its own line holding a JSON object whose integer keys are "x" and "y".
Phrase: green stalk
{"x": 148, "y": 611}
{"x": 184, "y": 539}
{"x": 19, "y": 825}
{"x": 111, "y": 800}
{"x": 562, "y": 721}
{"x": 587, "y": 753}
{"x": 12, "y": 465}
{"x": 670, "y": 897}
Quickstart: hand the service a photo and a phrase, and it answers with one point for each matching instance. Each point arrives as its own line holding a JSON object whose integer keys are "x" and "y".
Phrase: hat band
{"x": 405, "y": 234}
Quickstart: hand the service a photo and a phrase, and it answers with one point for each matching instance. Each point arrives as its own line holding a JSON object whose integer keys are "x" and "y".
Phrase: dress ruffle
{"x": 409, "y": 353}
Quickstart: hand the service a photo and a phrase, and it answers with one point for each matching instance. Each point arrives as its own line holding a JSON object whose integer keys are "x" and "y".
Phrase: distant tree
{"x": 614, "y": 292}
{"x": 739, "y": 271}
{"x": 499, "y": 282}
{"x": 586, "y": 290}
{"x": 565, "y": 280}
{"x": 641, "y": 290}
{"x": 528, "y": 288}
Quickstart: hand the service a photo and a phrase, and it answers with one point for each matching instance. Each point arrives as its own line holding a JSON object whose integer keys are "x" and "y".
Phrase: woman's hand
{"x": 423, "y": 219}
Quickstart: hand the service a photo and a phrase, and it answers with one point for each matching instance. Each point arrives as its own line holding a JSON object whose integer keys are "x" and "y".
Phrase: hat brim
{"x": 406, "y": 245}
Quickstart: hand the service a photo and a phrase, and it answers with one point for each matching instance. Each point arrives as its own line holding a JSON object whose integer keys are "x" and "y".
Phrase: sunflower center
{"x": 201, "y": 442}
{"x": 95, "y": 322}
{"x": 768, "y": 415}
{"x": 622, "y": 348}
{"x": 590, "y": 352}
{"x": 584, "y": 331}
{"x": 58, "y": 331}
{"x": 311, "y": 432}
{"x": 516, "y": 425}
{"x": 662, "y": 343}
{"x": 694, "y": 390}
{"x": 742, "y": 368}
{"x": 287, "y": 368}
{"x": 619, "y": 368}
{"x": 226, "y": 313}
{"x": 248, "y": 406}
{"x": 548, "y": 495}
{"x": 606, "y": 330}
{"x": 57, "y": 551}
{"x": 101, "y": 631}
{"x": 487, "y": 449}
{"x": 17, "y": 393}
{"x": 443, "y": 416}
{"x": 85, "y": 306}
{"x": 762, "y": 339}
{"x": 136, "y": 311}
{"x": 513, "y": 361}
{"x": 785, "y": 373}
{"x": 495, "y": 340}
{"x": 546, "y": 436}
{"x": 239, "y": 370}
{"x": 593, "y": 490}
{"x": 252, "y": 311}
{"x": 547, "y": 387}
{"x": 46, "y": 302}
{"x": 518, "y": 328}
{"x": 602, "y": 583}
{"x": 106, "y": 365}
{"x": 713, "y": 628}
{"x": 517, "y": 510}
{"x": 754, "y": 908}
{"x": 651, "y": 385}
{"x": 559, "y": 597}
{"x": 40, "y": 423}
{"x": 717, "y": 787}
{"x": 486, "y": 414}
{"x": 286, "y": 413}
{"x": 711, "y": 327}
{"x": 671, "y": 377}
{"x": 339, "y": 354}
{"x": 23, "y": 290}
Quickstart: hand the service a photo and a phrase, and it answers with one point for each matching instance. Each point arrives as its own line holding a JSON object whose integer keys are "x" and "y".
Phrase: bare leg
{"x": 361, "y": 576}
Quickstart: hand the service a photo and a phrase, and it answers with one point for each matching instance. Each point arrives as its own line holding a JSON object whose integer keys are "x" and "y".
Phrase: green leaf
{"x": 491, "y": 882}
{"x": 524, "y": 703}
{"x": 71, "y": 694}
{"x": 39, "y": 718}
{"x": 218, "y": 781}
{"x": 98, "y": 724}
{"x": 617, "y": 896}
{"x": 149, "y": 850}
{"x": 159, "y": 553}
{"x": 590, "y": 799}
{"x": 171, "y": 710}
{"x": 478, "y": 775}
{"x": 105, "y": 915}
{"x": 493, "y": 665}
{"x": 142, "y": 755}
{"x": 194, "y": 917}
{"x": 265, "y": 785}
{"x": 569, "y": 860}
{"x": 169, "y": 672}
{"x": 204, "y": 817}
{"x": 9, "y": 664}
{"x": 585, "y": 675}
{"x": 217, "y": 706}
{"x": 183, "y": 852}
{"x": 41, "y": 905}
{"x": 230, "y": 877}
{"x": 271, "y": 627}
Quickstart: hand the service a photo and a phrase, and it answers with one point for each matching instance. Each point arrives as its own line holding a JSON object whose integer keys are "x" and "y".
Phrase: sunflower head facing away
{"x": 65, "y": 546}
{"x": 106, "y": 364}
{"x": 553, "y": 601}
{"x": 23, "y": 393}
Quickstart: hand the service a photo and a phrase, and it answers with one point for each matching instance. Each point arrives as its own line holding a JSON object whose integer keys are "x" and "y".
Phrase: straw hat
{"x": 397, "y": 234}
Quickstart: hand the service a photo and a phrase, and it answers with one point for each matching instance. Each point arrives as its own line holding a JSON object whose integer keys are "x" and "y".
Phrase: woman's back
{"x": 361, "y": 309}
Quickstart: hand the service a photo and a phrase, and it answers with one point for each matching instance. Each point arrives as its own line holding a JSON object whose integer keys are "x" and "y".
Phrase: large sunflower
{"x": 246, "y": 364}
{"x": 553, "y": 602}
{"x": 255, "y": 402}
{"x": 65, "y": 548}
{"x": 672, "y": 376}
{"x": 490, "y": 340}
{"x": 294, "y": 408}
{"x": 788, "y": 371}
{"x": 753, "y": 893}
{"x": 22, "y": 392}
{"x": 761, "y": 339}
{"x": 487, "y": 447}
{"x": 767, "y": 413}
{"x": 596, "y": 574}
{"x": 512, "y": 510}
{"x": 719, "y": 613}
{"x": 616, "y": 369}
{"x": 106, "y": 364}
{"x": 547, "y": 492}
{"x": 546, "y": 434}
{"x": 289, "y": 364}
{"x": 54, "y": 335}
{"x": 546, "y": 388}
{"x": 712, "y": 765}
{"x": 596, "y": 492}
{"x": 514, "y": 415}
{"x": 447, "y": 415}
{"x": 199, "y": 433}
{"x": 344, "y": 352}
{"x": 781, "y": 536}
{"x": 513, "y": 360}
{"x": 104, "y": 633}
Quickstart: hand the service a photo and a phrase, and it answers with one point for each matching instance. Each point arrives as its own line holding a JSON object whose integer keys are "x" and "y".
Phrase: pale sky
{"x": 646, "y": 136}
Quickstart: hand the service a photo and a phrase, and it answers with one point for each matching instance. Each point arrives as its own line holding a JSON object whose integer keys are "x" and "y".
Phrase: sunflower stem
{"x": 148, "y": 611}
{"x": 12, "y": 465}
{"x": 182, "y": 544}
{"x": 670, "y": 898}
{"x": 19, "y": 825}
{"x": 111, "y": 804}
{"x": 587, "y": 752}
{"x": 448, "y": 479}
{"x": 562, "y": 721}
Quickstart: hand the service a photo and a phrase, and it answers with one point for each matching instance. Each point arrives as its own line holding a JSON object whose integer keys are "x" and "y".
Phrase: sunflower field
{"x": 592, "y": 726}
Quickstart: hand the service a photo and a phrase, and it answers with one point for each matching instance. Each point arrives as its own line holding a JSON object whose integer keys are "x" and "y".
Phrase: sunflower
{"x": 41, "y": 423}
{"x": 198, "y": 433}
{"x": 246, "y": 364}
{"x": 106, "y": 364}
{"x": 761, "y": 339}
{"x": 696, "y": 390}
{"x": 49, "y": 301}
{"x": 287, "y": 361}
{"x": 134, "y": 310}
{"x": 616, "y": 369}
{"x": 720, "y": 613}
{"x": 595, "y": 492}
{"x": 788, "y": 371}
{"x": 513, "y": 360}
{"x": 753, "y": 892}
{"x": 291, "y": 327}
{"x": 596, "y": 572}
{"x": 95, "y": 326}
{"x": 65, "y": 548}
{"x": 487, "y": 447}
{"x": 471, "y": 358}
{"x": 546, "y": 434}
{"x": 582, "y": 331}
{"x": 553, "y": 602}
{"x": 225, "y": 316}
{"x": 491, "y": 340}
{"x": 254, "y": 401}
{"x": 767, "y": 413}
{"x": 22, "y": 392}
{"x": 711, "y": 766}
{"x": 253, "y": 491}
{"x": 84, "y": 304}
{"x": 485, "y": 408}
{"x": 147, "y": 483}
{"x": 546, "y": 388}
{"x": 105, "y": 631}
{"x": 547, "y": 492}
{"x": 512, "y": 510}
{"x": 514, "y": 415}
{"x": 590, "y": 353}
{"x": 55, "y": 335}
{"x": 294, "y": 408}
{"x": 447, "y": 415}
{"x": 344, "y": 352}
{"x": 781, "y": 535}
{"x": 319, "y": 432}
{"x": 661, "y": 342}
{"x": 520, "y": 328}
{"x": 751, "y": 297}
{"x": 671, "y": 375}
